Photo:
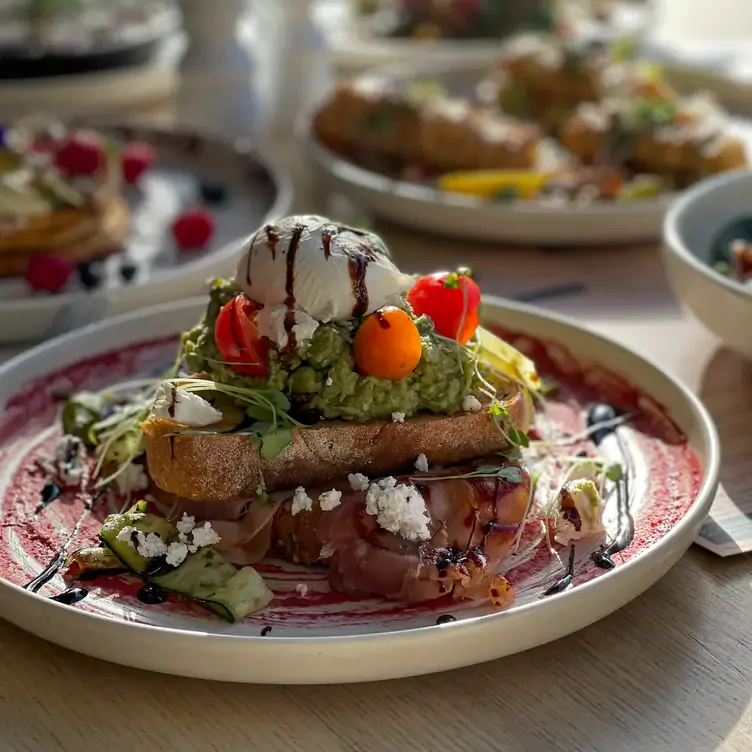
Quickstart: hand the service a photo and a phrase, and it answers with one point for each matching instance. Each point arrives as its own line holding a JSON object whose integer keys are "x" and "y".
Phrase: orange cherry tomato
{"x": 237, "y": 338}
{"x": 387, "y": 345}
{"x": 450, "y": 300}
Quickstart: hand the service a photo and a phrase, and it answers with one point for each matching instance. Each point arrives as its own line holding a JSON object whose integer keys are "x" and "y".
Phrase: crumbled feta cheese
{"x": 150, "y": 545}
{"x": 580, "y": 513}
{"x": 186, "y": 408}
{"x": 270, "y": 321}
{"x": 358, "y": 481}
{"x": 329, "y": 381}
{"x": 330, "y": 500}
{"x": 326, "y": 551}
{"x": 205, "y": 535}
{"x": 301, "y": 501}
{"x": 185, "y": 525}
{"x": 400, "y": 509}
{"x": 177, "y": 552}
{"x": 132, "y": 479}
{"x": 301, "y": 589}
{"x": 421, "y": 464}
{"x": 471, "y": 404}
{"x": 126, "y": 535}
{"x": 398, "y": 417}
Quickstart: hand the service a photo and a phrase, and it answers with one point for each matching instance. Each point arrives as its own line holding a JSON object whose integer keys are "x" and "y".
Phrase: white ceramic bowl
{"x": 723, "y": 305}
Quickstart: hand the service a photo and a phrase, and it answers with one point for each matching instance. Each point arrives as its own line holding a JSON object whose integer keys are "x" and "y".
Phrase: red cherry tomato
{"x": 451, "y": 300}
{"x": 237, "y": 338}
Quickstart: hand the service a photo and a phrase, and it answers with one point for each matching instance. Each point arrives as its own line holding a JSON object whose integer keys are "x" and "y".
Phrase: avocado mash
{"x": 320, "y": 377}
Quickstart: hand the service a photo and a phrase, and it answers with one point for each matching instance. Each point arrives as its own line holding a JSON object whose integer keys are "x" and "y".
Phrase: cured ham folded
{"x": 474, "y": 519}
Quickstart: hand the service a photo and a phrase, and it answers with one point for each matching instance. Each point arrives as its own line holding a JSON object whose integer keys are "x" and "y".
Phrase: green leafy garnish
{"x": 517, "y": 437}
{"x": 80, "y": 413}
{"x": 508, "y": 193}
{"x": 453, "y": 280}
{"x": 615, "y": 472}
{"x": 724, "y": 267}
{"x": 624, "y": 48}
{"x": 380, "y": 120}
{"x": 653, "y": 113}
{"x": 275, "y": 442}
{"x": 423, "y": 90}
{"x": 513, "y": 435}
{"x": 511, "y": 473}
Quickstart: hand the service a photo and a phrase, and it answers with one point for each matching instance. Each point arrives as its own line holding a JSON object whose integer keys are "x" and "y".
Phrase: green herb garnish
{"x": 614, "y": 471}
{"x": 453, "y": 280}
{"x": 508, "y": 193}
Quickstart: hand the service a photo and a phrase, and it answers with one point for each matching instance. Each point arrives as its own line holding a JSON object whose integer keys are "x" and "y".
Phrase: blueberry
{"x": 212, "y": 193}
{"x": 128, "y": 271}
{"x": 90, "y": 275}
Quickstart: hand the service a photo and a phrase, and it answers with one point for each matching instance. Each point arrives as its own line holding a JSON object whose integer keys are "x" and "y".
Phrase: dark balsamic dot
{"x": 128, "y": 272}
{"x": 151, "y": 594}
{"x": 90, "y": 275}
{"x": 265, "y": 631}
{"x": 212, "y": 193}
{"x": 50, "y": 492}
{"x": 445, "y": 619}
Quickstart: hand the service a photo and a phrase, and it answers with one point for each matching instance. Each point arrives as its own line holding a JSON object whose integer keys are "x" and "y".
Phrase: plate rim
{"x": 709, "y": 448}
{"x": 281, "y": 203}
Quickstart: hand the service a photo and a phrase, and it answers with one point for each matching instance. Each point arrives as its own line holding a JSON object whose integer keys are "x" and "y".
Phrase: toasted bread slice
{"x": 217, "y": 467}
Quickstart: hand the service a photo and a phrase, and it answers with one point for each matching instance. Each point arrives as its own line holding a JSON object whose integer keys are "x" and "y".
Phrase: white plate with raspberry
{"x": 187, "y": 201}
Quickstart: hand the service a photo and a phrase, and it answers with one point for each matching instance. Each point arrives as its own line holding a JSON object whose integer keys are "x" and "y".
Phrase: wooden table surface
{"x": 670, "y": 671}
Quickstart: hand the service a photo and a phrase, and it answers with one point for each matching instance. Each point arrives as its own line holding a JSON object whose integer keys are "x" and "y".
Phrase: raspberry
{"x": 82, "y": 153}
{"x": 136, "y": 159}
{"x": 49, "y": 273}
{"x": 193, "y": 229}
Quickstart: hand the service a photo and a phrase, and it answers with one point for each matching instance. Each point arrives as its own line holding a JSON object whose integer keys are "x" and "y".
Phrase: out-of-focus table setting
{"x": 671, "y": 670}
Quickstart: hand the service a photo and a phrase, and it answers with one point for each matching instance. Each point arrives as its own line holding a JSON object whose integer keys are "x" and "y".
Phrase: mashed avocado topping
{"x": 320, "y": 377}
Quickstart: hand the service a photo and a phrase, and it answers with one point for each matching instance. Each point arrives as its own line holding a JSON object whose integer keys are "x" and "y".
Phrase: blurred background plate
{"x": 356, "y": 42}
{"x": 255, "y": 189}
{"x": 423, "y": 207}
{"x": 134, "y": 83}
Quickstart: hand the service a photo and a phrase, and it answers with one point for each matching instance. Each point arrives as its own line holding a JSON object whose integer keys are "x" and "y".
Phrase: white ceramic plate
{"x": 354, "y": 46}
{"x": 692, "y": 227}
{"x": 256, "y": 191}
{"x": 325, "y": 637}
{"x": 425, "y": 208}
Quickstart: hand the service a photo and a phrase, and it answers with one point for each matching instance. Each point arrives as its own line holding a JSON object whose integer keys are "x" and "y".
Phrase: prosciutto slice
{"x": 474, "y": 521}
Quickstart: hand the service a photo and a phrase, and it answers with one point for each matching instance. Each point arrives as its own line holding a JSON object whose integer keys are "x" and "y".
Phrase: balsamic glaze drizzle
{"x": 445, "y": 619}
{"x": 566, "y": 581}
{"x": 625, "y": 529}
{"x": 383, "y": 323}
{"x": 272, "y": 238}
{"x": 292, "y": 250}
{"x": 265, "y": 631}
{"x": 51, "y": 491}
{"x": 326, "y": 240}
{"x": 71, "y": 596}
{"x": 58, "y": 560}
